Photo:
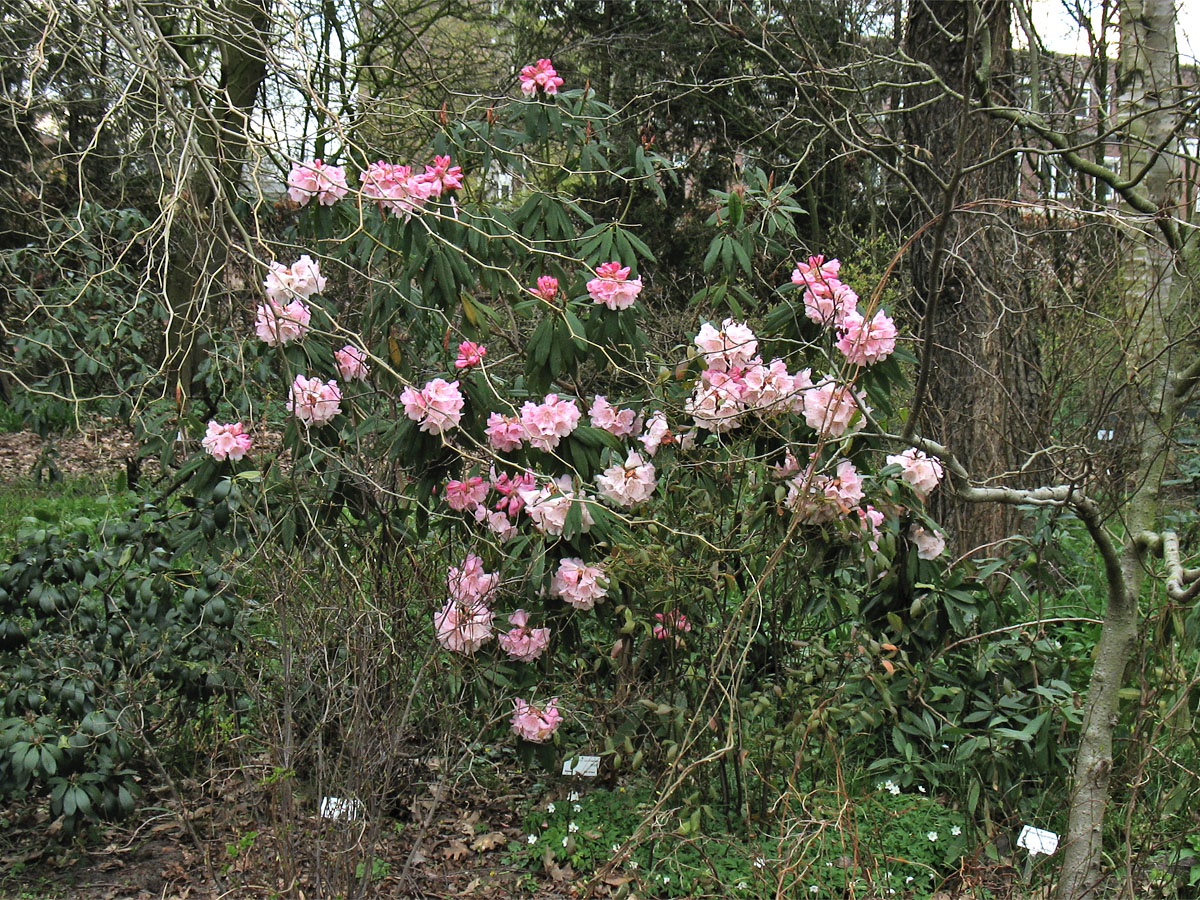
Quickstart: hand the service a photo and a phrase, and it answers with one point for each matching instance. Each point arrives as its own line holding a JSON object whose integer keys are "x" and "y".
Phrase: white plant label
{"x": 1037, "y": 840}
{"x": 587, "y": 766}
{"x": 341, "y": 808}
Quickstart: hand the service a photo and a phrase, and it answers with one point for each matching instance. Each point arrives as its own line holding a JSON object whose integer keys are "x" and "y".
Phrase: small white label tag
{"x": 587, "y": 766}
{"x": 1036, "y": 840}
{"x": 341, "y": 808}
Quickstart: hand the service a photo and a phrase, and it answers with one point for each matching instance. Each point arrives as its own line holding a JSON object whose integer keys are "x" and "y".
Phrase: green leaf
{"x": 714, "y": 249}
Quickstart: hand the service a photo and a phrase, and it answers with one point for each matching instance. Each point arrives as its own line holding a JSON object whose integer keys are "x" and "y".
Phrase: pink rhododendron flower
{"x": 471, "y": 584}
{"x": 581, "y": 585}
{"x": 768, "y": 389}
{"x": 533, "y": 723}
{"x": 301, "y": 279}
{"x": 351, "y": 363}
{"x": 548, "y": 507}
{"x": 522, "y": 642}
{"x": 547, "y": 288}
{"x": 442, "y": 176}
{"x": 466, "y": 495}
{"x": 733, "y": 347}
{"x": 226, "y": 441}
{"x": 628, "y": 484}
{"x": 510, "y": 488}
{"x": 816, "y": 273}
{"x": 463, "y": 628}
{"x": 618, "y": 422}
{"x": 823, "y": 498}
{"x": 276, "y": 325}
{"x": 671, "y": 624}
{"x": 469, "y": 354}
{"x": 830, "y": 303}
{"x": 497, "y": 522}
{"x": 921, "y": 471}
{"x": 539, "y": 76}
{"x": 719, "y": 400}
{"x": 315, "y": 179}
{"x": 396, "y": 188}
{"x": 656, "y": 434}
{"x": 504, "y": 433}
{"x": 437, "y": 406}
{"x": 871, "y": 520}
{"x": 786, "y": 469}
{"x": 866, "y": 343}
{"x": 612, "y": 286}
{"x": 929, "y": 544}
{"x": 829, "y": 407}
{"x": 314, "y": 402}
{"x": 548, "y": 422}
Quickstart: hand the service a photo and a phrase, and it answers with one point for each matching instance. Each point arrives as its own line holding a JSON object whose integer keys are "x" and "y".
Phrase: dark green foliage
{"x": 103, "y": 640}
{"x": 88, "y": 314}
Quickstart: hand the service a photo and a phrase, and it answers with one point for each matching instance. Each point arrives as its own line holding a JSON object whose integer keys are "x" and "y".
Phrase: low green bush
{"x": 106, "y": 638}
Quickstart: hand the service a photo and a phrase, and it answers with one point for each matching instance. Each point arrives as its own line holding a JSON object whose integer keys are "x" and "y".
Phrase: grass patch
{"x": 26, "y": 504}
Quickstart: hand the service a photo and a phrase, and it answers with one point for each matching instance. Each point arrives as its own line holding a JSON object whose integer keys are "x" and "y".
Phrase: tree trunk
{"x": 223, "y": 125}
{"x": 984, "y": 378}
{"x": 1148, "y": 88}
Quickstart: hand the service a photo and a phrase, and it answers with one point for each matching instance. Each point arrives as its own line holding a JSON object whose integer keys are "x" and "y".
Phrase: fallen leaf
{"x": 489, "y": 841}
{"x": 456, "y": 850}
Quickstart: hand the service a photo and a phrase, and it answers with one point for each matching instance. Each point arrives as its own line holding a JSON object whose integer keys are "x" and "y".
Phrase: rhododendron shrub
{"x": 620, "y": 504}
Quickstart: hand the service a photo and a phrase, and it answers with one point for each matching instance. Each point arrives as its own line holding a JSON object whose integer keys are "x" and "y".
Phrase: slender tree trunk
{"x": 984, "y": 380}
{"x": 1148, "y": 84}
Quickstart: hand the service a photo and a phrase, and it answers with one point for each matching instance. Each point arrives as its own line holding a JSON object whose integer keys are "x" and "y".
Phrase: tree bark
{"x": 983, "y": 383}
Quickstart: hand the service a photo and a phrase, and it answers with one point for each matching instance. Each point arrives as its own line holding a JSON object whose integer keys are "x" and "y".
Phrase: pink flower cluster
{"x": 733, "y": 347}
{"x": 503, "y": 432}
{"x": 548, "y": 422}
{"x": 548, "y": 506}
{"x": 314, "y": 402}
{"x": 930, "y": 545}
{"x": 543, "y": 424}
{"x": 671, "y": 624}
{"x": 628, "y": 484}
{"x": 923, "y": 472}
{"x": 822, "y": 498}
{"x": 469, "y": 354}
{"x": 539, "y": 76}
{"x": 830, "y": 407}
{"x": 578, "y": 584}
{"x": 866, "y": 343}
{"x": 465, "y": 496}
{"x": 522, "y": 642}
{"x": 437, "y": 406}
{"x": 547, "y": 288}
{"x": 398, "y": 189}
{"x": 301, "y": 279}
{"x": 351, "y": 363}
{"x": 612, "y": 287}
{"x": 276, "y": 324}
{"x": 621, "y": 423}
{"x": 471, "y": 584}
{"x": 534, "y": 723}
{"x": 226, "y": 441}
{"x": 463, "y": 627}
{"x": 657, "y": 433}
{"x": 510, "y": 487}
{"x": 315, "y": 179}
{"x": 829, "y": 302}
{"x": 737, "y": 382}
